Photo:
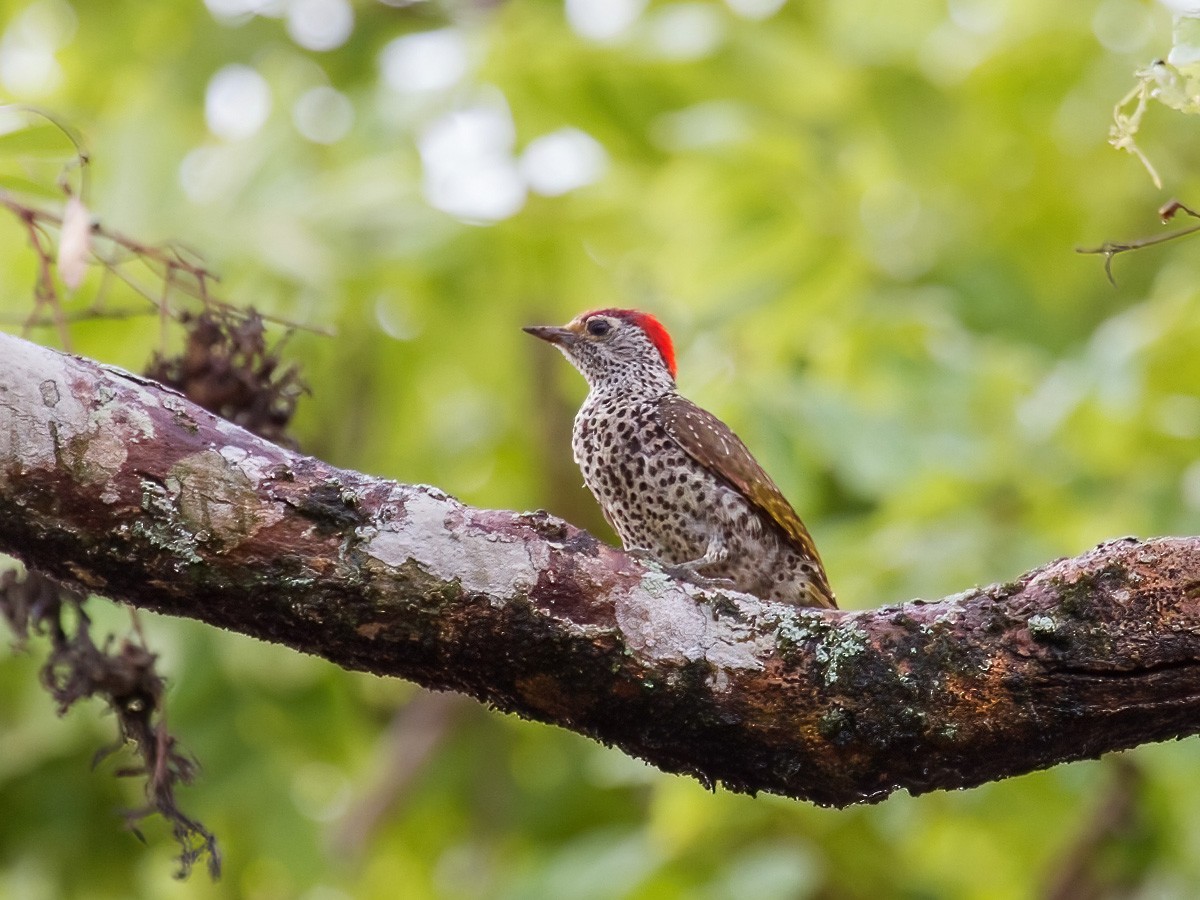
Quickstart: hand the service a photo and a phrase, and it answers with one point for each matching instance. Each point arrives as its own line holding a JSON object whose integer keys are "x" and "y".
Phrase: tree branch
{"x": 129, "y": 490}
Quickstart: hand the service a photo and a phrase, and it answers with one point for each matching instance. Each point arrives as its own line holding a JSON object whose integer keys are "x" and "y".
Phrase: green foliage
{"x": 859, "y": 222}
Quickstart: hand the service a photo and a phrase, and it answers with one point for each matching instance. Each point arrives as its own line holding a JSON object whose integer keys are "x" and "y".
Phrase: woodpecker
{"x": 673, "y": 480}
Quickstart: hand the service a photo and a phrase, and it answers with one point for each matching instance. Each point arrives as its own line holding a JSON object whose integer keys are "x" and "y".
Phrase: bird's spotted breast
{"x": 659, "y": 498}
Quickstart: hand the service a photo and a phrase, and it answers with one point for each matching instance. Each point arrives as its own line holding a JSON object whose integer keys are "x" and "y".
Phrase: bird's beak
{"x": 561, "y": 337}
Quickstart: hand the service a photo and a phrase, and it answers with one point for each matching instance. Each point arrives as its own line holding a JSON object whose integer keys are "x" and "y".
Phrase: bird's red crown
{"x": 650, "y": 325}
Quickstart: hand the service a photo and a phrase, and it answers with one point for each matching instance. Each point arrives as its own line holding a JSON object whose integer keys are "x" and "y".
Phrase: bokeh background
{"x": 859, "y": 221}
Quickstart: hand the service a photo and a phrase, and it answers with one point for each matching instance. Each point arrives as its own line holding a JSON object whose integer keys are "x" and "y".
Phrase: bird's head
{"x": 615, "y": 347}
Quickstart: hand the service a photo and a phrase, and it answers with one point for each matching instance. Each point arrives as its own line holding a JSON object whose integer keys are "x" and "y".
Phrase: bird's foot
{"x": 716, "y": 584}
{"x": 643, "y": 554}
{"x": 689, "y": 571}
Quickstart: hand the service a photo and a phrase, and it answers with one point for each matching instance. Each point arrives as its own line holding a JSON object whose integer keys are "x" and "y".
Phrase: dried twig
{"x": 1168, "y": 211}
{"x": 126, "y": 679}
{"x": 113, "y": 251}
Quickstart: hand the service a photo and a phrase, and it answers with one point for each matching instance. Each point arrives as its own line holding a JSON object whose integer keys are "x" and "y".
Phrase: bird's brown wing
{"x": 711, "y": 443}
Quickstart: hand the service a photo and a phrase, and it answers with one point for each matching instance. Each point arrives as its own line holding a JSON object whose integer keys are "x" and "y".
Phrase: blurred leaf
{"x": 37, "y": 139}
{"x": 21, "y": 185}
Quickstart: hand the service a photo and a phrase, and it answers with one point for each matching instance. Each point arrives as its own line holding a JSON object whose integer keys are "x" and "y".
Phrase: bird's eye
{"x": 598, "y": 327}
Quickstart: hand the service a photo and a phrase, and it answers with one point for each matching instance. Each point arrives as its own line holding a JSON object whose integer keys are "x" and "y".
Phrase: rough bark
{"x": 127, "y": 489}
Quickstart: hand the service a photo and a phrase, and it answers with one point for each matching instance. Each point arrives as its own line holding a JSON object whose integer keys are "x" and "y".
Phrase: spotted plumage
{"x": 672, "y": 479}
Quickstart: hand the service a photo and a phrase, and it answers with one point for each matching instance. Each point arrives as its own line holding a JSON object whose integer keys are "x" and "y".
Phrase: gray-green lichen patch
{"x": 117, "y": 409}
{"x": 1042, "y": 627}
{"x": 794, "y": 626}
{"x": 951, "y": 607}
{"x": 255, "y": 468}
{"x": 842, "y": 644}
{"x": 96, "y": 455}
{"x": 429, "y": 528}
{"x": 669, "y": 621}
{"x": 835, "y": 643}
{"x": 658, "y": 620}
{"x": 180, "y": 411}
{"x": 739, "y": 641}
{"x": 161, "y": 527}
{"x": 216, "y": 500}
